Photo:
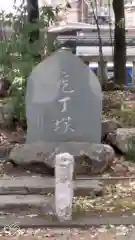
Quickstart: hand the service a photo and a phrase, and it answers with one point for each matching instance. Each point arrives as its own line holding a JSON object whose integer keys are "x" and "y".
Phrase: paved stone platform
{"x": 24, "y": 200}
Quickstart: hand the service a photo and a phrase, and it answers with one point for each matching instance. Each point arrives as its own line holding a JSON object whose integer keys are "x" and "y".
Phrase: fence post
{"x": 105, "y": 72}
{"x": 64, "y": 169}
{"x": 133, "y": 75}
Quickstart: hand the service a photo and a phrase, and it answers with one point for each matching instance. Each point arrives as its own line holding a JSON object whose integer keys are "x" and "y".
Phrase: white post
{"x": 64, "y": 168}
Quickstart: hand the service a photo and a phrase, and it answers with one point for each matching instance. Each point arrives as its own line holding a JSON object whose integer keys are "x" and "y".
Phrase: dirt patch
{"x": 7, "y": 168}
{"x": 112, "y": 103}
{"x": 9, "y": 136}
{"x": 62, "y": 234}
{"x": 118, "y": 200}
{"x": 102, "y": 233}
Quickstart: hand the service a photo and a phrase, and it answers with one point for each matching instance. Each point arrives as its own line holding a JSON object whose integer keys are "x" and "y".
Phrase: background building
{"x": 80, "y": 12}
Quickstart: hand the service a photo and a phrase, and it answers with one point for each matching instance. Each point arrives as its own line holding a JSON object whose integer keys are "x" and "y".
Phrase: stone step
{"x": 44, "y": 185}
{"x": 37, "y": 211}
{"x": 17, "y": 222}
{"x": 25, "y": 201}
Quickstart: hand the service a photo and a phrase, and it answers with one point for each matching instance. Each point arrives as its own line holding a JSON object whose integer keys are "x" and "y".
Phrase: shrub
{"x": 17, "y": 54}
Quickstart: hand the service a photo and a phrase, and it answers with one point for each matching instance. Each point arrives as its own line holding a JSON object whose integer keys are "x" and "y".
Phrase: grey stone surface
{"x": 109, "y": 126}
{"x": 63, "y": 101}
{"x": 44, "y": 185}
{"x": 14, "y": 201}
{"x": 89, "y": 158}
{"x": 122, "y": 139}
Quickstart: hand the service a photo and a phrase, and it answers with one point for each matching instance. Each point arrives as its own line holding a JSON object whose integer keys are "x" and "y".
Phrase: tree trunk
{"x": 102, "y": 71}
{"x": 33, "y": 17}
{"x": 119, "y": 43}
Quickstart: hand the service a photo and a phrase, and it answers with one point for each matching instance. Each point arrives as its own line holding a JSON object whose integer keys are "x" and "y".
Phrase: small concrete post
{"x": 64, "y": 168}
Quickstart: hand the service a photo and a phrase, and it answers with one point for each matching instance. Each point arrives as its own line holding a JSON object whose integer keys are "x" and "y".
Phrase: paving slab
{"x": 44, "y": 185}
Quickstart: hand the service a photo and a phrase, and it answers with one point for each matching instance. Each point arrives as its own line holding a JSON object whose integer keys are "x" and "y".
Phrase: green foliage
{"x": 17, "y": 55}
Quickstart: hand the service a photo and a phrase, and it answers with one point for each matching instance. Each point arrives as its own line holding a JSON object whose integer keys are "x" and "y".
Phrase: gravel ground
{"x": 102, "y": 233}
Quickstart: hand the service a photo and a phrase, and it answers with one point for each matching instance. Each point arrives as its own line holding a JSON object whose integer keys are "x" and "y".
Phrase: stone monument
{"x": 63, "y": 101}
